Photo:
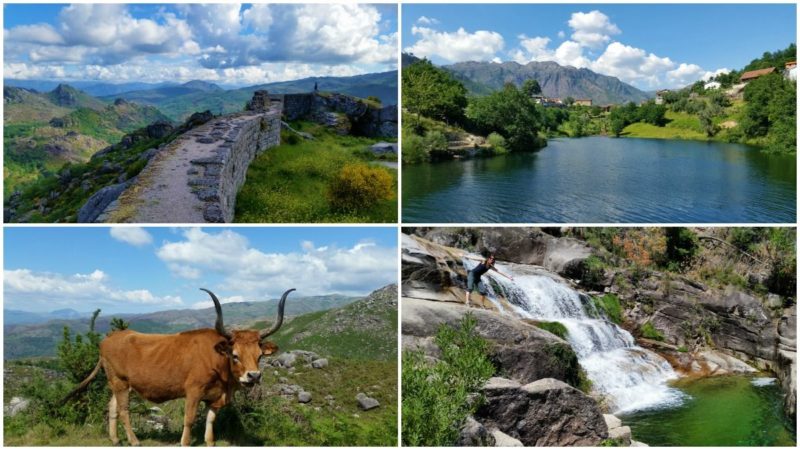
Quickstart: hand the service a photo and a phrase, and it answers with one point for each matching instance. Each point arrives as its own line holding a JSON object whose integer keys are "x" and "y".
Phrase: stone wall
{"x": 196, "y": 178}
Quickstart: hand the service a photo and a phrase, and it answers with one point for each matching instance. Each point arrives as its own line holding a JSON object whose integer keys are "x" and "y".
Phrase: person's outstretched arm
{"x": 501, "y": 273}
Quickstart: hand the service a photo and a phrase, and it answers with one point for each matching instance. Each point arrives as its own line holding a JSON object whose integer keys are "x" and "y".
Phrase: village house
{"x": 660, "y": 96}
{"x": 790, "y": 71}
{"x": 583, "y": 102}
{"x": 754, "y": 74}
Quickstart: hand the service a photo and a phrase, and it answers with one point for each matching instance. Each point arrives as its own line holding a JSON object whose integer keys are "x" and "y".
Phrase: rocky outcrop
{"x": 564, "y": 256}
{"x": 348, "y": 114}
{"x": 787, "y": 360}
{"x": 546, "y": 412}
{"x": 521, "y": 351}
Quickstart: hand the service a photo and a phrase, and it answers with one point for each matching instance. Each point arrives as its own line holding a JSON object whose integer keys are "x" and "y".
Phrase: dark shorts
{"x": 472, "y": 285}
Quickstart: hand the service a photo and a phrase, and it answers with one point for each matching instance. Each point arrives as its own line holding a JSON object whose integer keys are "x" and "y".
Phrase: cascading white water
{"x": 628, "y": 376}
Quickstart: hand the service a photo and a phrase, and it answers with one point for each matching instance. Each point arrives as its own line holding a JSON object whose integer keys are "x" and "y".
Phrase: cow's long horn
{"x": 219, "y": 326}
{"x": 279, "y": 321}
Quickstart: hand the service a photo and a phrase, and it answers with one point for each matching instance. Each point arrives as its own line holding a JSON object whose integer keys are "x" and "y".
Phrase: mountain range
{"x": 35, "y": 339}
{"x": 481, "y": 78}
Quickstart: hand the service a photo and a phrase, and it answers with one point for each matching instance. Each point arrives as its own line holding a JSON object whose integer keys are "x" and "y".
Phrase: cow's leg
{"x": 212, "y": 414}
{"x": 112, "y": 420}
{"x": 123, "y": 396}
{"x": 189, "y": 413}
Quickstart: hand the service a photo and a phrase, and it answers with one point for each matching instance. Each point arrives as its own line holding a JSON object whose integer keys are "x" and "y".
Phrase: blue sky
{"x": 227, "y": 43}
{"x": 131, "y": 269}
{"x": 649, "y": 46}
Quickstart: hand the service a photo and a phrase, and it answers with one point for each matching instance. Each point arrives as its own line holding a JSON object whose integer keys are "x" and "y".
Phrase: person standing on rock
{"x": 474, "y": 278}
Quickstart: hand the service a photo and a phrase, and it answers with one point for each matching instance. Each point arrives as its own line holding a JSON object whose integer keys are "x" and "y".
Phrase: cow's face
{"x": 246, "y": 350}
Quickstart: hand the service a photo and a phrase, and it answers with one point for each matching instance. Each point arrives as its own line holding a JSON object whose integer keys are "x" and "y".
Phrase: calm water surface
{"x": 601, "y": 179}
{"x": 720, "y": 411}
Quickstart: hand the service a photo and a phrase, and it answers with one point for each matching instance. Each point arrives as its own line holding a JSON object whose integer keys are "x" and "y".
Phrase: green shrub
{"x": 413, "y": 149}
{"x": 436, "y": 395}
{"x": 556, "y": 328}
{"x": 498, "y": 143}
{"x": 562, "y": 355}
{"x": 609, "y": 305}
{"x": 292, "y": 139}
{"x": 593, "y": 271}
{"x": 683, "y": 349}
{"x": 359, "y": 186}
{"x": 650, "y": 332}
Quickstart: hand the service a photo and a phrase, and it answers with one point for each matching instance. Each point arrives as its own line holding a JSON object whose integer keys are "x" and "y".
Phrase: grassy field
{"x": 680, "y": 126}
{"x": 290, "y": 183}
{"x": 258, "y": 417}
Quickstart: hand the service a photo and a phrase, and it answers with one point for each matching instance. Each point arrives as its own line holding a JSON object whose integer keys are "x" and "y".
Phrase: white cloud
{"x": 48, "y": 291}
{"x": 592, "y": 29}
{"x": 460, "y": 45}
{"x": 561, "y": 34}
{"x": 255, "y": 274}
{"x": 135, "y": 236}
{"x": 427, "y": 21}
{"x": 532, "y": 49}
{"x": 709, "y": 75}
{"x": 632, "y": 64}
{"x": 259, "y": 42}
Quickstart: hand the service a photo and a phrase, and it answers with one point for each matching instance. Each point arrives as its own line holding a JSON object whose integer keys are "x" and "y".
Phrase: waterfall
{"x": 629, "y": 377}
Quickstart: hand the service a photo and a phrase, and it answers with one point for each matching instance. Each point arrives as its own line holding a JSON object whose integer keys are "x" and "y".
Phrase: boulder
{"x": 303, "y": 397}
{"x": 16, "y": 406}
{"x": 612, "y": 421}
{"x": 524, "y": 352}
{"x": 285, "y": 360}
{"x": 503, "y": 440}
{"x": 382, "y": 148}
{"x": 474, "y": 434}
{"x": 319, "y": 363}
{"x": 621, "y": 434}
{"x": 638, "y": 444}
{"x": 547, "y": 412}
{"x": 366, "y": 403}
{"x": 100, "y": 200}
{"x": 159, "y": 130}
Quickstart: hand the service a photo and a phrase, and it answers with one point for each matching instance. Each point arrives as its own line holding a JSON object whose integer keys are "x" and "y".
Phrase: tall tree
{"x": 432, "y": 92}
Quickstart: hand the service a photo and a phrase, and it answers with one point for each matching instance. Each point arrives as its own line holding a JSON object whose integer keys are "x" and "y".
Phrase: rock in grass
{"x": 366, "y": 403}
{"x": 304, "y": 397}
{"x": 319, "y": 363}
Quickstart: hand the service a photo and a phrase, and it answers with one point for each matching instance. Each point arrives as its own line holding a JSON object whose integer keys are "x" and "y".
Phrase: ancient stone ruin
{"x": 196, "y": 177}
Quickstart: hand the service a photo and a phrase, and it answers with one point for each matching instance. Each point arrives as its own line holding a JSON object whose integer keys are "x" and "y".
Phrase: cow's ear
{"x": 223, "y": 348}
{"x": 269, "y": 348}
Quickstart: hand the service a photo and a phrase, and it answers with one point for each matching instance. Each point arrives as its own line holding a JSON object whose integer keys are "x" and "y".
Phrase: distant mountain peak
{"x": 201, "y": 85}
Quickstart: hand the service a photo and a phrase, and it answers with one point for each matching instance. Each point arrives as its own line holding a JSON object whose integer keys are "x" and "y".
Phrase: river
{"x": 603, "y": 180}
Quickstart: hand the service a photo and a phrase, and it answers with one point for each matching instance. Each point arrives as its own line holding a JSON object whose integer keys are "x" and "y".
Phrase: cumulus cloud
{"x": 135, "y": 236}
{"x": 457, "y": 46}
{"x": 48, "y": 291}
{"x": 427, "y": 21}
{"x": 257, "y": 275}
{"x": 336, "y": 38}
{"x": 593, "y": 31}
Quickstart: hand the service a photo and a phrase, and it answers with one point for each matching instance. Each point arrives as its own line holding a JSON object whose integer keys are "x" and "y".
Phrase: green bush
{"x": 359, "y": 186}
{"x": 593, "y": 271}
{"x": 650, "y": 332}
{"x": 436, "y": 395}
{"x": 413, "y": 149}
{"x": 556, "y": 328}
{"x": 498, "y": 143}
{"x": 683, "y": 349}
{"x": 609, "y": 305}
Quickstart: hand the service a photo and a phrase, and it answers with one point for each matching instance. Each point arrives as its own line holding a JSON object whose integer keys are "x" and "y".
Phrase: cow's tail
{"x": 82, "y": 387}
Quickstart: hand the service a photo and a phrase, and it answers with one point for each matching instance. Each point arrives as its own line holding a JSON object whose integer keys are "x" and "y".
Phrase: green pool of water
{"x": 722, "y": 411}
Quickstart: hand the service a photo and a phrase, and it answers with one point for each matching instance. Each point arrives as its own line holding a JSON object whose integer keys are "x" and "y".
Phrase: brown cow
{"x": 201, "y": 365}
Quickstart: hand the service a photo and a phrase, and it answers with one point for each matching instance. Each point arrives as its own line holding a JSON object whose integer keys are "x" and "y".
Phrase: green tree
{"x": 770, "y": 111}
{"x": 531, "y": 87}
{"x": 706, "y": 118}
{"x": 432, "y": 92}
{"x": 118, "y": 324}
{"x": 510, "y": 113}
{"x": 682, "y": 247}
{"x": 569, "y": 101}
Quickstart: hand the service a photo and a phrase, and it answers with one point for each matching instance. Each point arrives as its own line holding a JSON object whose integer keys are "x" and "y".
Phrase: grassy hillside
{"x": 260, "y": 416}
{"x": 363, "y": 330}
{"x": 292, "y": 182}
{"x": 43, "y": 131}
